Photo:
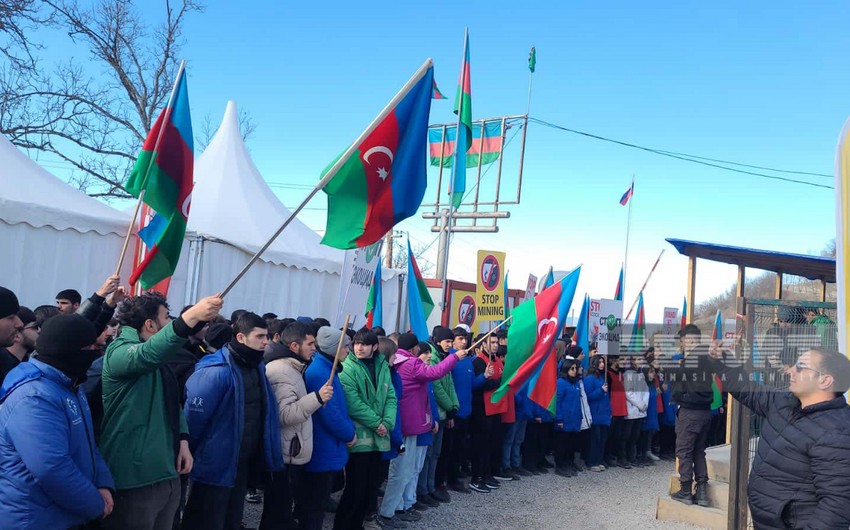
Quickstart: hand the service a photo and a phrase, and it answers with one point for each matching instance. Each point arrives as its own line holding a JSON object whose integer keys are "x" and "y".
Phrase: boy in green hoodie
{"x": 372, "y": 404}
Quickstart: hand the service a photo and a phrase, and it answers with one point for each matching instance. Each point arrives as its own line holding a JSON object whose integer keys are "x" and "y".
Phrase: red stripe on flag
{"x": 176, "y": 160}
{"x": 467, "y": 83}
{"x": 378, "y": 172}
{"x": 143, "y": 265}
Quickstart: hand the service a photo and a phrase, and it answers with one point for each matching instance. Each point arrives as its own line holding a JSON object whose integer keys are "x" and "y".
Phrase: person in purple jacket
{"x": 415, "y": 419}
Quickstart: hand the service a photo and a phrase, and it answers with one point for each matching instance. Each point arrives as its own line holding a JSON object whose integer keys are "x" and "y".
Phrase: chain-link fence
{"x": 773, "y": 334}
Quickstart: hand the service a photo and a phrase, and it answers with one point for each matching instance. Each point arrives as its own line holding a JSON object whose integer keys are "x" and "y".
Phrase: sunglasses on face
{"x": 800, "y": 367}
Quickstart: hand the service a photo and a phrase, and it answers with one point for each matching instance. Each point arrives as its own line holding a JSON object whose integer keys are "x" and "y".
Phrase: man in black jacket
{"x": 691, "y": 382}
{"x": 800, "y": 472}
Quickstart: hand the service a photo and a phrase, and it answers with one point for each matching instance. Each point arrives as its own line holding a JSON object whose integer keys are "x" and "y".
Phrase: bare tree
{"x": 205, "y": 133}
{"x": 399, "y": 258}
{"x": 97, "y": 122}
{"x": 17, "y": 17}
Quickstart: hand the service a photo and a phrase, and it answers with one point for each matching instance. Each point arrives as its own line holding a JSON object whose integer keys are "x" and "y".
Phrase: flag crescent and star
{"x": 382, "y": 171}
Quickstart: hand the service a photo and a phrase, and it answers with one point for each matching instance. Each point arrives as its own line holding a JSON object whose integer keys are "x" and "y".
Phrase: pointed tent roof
{"x": 32, "y": 195}
{"x": 232, "y": 202}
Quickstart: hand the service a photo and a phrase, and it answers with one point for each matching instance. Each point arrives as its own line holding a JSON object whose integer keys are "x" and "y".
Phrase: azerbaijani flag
{"x": 163, "y": 172}
{"x": 435, "y": 93}
{"x": 684, "y": 312}
{"x": 581, "y": 337}
{"x": 486, "y": 144}
{"x": 419, "y": 302}
{"x": 532, "y": 59}
{"x": 628, "y": 195}
{"x": 618, "y": 292}
{"x": 638, "y": 340}
{"x": 463, "y": 109}
{"x": 537, "y": 323}
{"x": 375, "y": 302}
{"x": 717, "y": 333}
{"x": 384, "y": 180}
{"x": 549, "y": 281}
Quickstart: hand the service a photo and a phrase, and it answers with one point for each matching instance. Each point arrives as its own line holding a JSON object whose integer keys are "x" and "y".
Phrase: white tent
{"x": 53, "y": 236}
{"x": 233, "y": 213}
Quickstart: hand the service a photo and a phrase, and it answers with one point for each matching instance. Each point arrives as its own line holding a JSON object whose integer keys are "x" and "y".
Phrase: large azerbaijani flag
{"x": 637, "y": 343}
{"x": 842, "y": 235}
{"x": 463, "y": 109}
{"x": 419, "y": 301}
{"x": 375, "y": 302}
{"x": 383, "y": 181}
{"x": 486, "y": 145}
{"x": 531, "y": 341}
{"x": 163, "y": 172}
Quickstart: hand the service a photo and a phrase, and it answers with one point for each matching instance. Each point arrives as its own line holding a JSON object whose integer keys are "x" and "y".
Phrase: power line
{"x": 691, "y": 158}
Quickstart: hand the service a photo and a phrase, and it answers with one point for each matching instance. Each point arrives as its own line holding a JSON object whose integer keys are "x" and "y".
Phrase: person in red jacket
{"x": 618, "y": 414}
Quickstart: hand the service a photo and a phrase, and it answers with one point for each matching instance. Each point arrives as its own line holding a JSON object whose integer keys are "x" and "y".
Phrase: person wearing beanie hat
{"x": 333, "y": 430}
{"x": 10, "y": 324}
{"x": 442, "y": 339}
{"x": 416, "y": 419}
{"x": 53, "y": 474}
{"x": 141, "y": 410}
{"x": 408, "y": 341}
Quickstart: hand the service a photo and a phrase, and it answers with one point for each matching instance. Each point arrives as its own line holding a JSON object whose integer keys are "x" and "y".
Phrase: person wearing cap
{"x": 144, "y": 438}
{"x": 23, "y": 345}
{"x": 372, "y": 404}
{"x": 415, "y": 419}
{"x": 233, "y": 423}
{"x": 333, "y": 430}
{"x": 286, "y": 361}
{"x": 53, "y": 475}
{"x": 442, "y": 339}
{"x": 10, "y": 323}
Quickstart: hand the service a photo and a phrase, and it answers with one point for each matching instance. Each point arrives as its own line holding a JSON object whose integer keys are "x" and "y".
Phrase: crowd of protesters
{"x": 116, "y": 415}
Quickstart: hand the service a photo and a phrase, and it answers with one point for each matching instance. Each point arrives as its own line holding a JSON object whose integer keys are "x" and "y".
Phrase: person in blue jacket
{"x": 537, "y": 436}
{"x": 456, "y": 441}
{"x": 233, "y": 420}
{"x": 567, "y": 419}
{"x": 596, "y": 388}
{"x": 333, "y": 430}
{"x": 51, "y": 473}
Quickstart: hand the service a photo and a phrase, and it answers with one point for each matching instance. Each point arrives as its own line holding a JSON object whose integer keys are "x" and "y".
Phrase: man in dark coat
{"x": 801, "y": 468}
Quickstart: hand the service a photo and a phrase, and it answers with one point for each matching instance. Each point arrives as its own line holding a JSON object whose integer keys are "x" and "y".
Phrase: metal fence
{"x": 773, "y": 333}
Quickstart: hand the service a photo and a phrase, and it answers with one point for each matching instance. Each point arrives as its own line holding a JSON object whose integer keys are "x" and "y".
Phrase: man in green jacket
{"x": 372, "y": 404}
{"x": 433, "y": 477}
{"x": 144, "y": 439}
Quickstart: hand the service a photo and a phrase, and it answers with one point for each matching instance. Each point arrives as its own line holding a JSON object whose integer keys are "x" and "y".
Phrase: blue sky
{"x": 760, "y": 82}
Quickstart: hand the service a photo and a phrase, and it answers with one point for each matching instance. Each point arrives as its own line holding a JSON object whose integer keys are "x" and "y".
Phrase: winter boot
{"x": 684, "y": 494}
{"x": 701, "y": 496}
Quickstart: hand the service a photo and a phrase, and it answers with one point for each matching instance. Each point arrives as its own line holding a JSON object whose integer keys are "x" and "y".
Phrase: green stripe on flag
{"x": 348, "y": 199}
{"x": 160, "y": 190}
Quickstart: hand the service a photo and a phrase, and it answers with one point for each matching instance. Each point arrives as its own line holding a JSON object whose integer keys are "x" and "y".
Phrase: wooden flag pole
{"x": 339, "y": 349}
{"x": 482, "y": 339}
{"x": 334, "y": 169}
{"x": 168, "y": 107}
{"x": 644, "y": 284}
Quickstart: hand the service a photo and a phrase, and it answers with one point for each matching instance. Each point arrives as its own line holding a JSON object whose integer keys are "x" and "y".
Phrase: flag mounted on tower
{"x": 532, "y": 59}
{"x": 162, "y": 179}
{"x": 382, "y": 182}
{"x": 419, "y": 301}
{"x": 684, "y": 312}
{"x": 624, "y": 200}
{"x": 536, "y": 325}
{"x": 463, "y": 109}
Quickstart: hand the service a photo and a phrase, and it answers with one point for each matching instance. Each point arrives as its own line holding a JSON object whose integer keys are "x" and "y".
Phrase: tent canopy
{"x": 30, "y": 194}
{"x": 231, "y": 202}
